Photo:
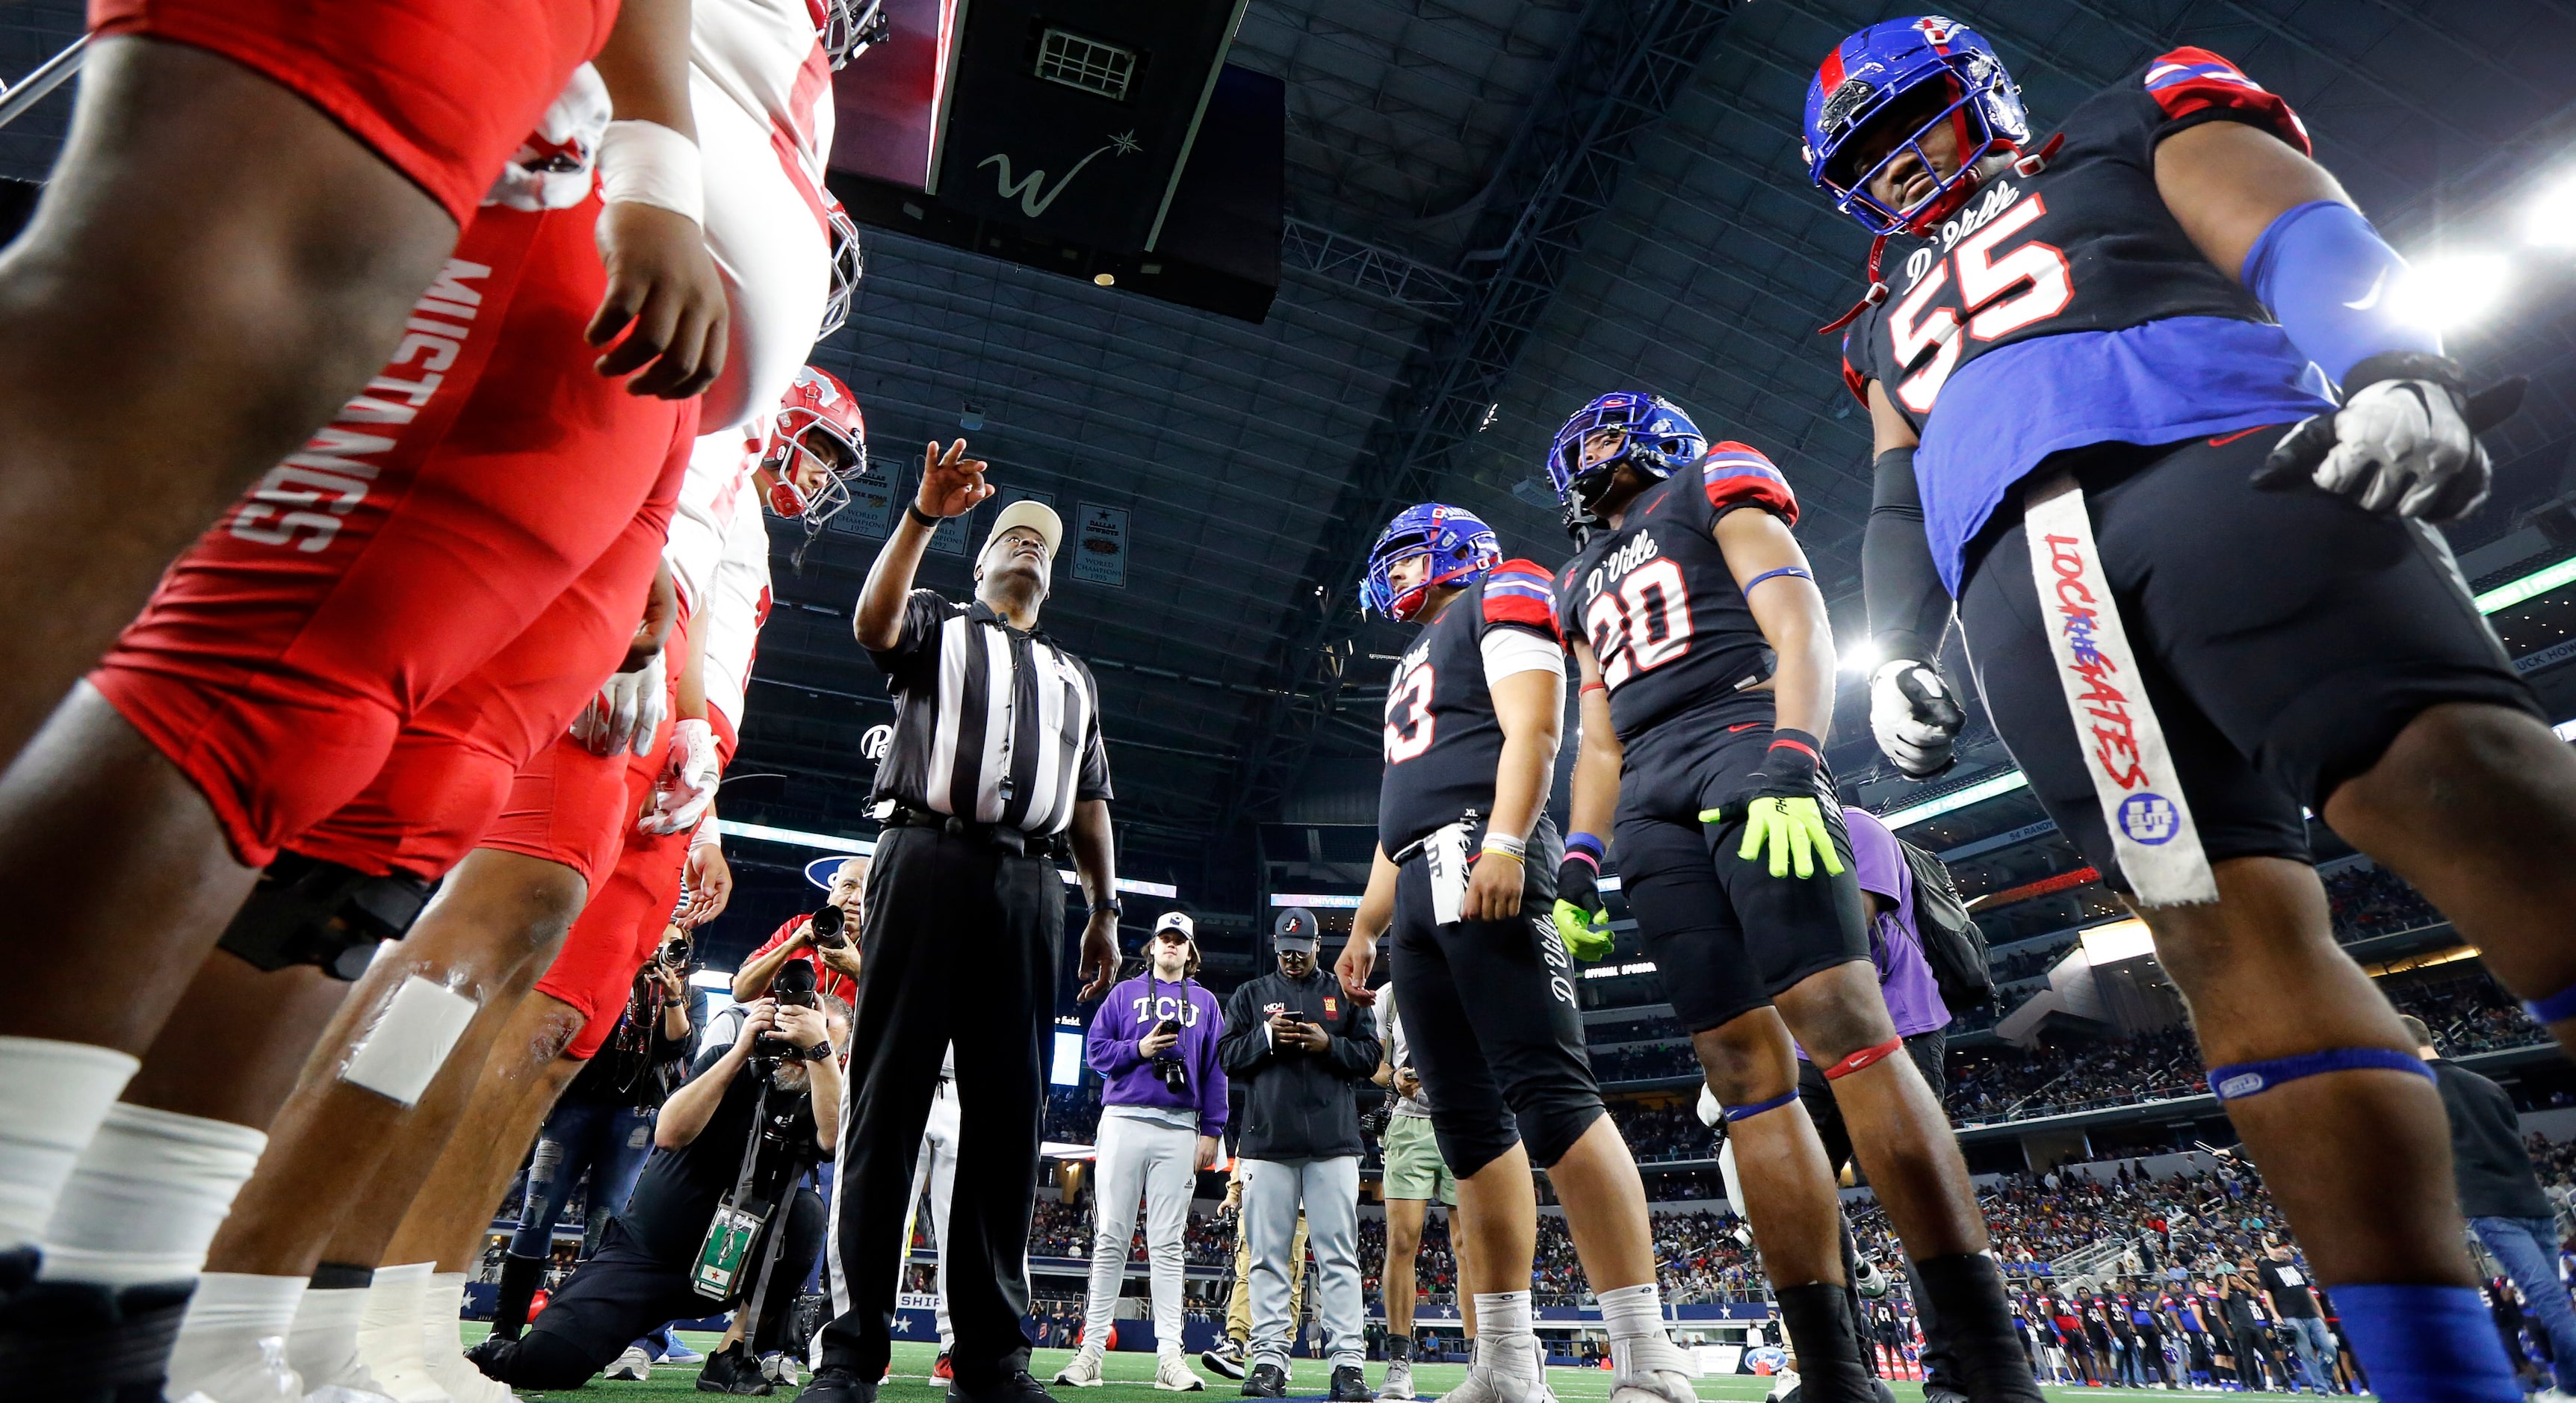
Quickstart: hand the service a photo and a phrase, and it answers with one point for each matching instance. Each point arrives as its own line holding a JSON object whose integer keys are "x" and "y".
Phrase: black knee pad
{"x": 309, "y": 912}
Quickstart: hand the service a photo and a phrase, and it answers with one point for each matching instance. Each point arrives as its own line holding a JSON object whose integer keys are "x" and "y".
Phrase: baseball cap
{"x": 1033, "y": 514}
{"x": 1175, "y": 920}
{"x": 1294, "y": 930}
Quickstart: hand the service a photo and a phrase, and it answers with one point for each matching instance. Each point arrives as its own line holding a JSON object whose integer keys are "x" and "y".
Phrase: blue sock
{"x": 2427, "y": 1344}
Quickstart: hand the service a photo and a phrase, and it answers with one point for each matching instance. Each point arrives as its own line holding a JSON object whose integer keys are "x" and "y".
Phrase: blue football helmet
{"x": 1875, "y": 70}
{"x": 1459, "y": 543}
{"x": 1658, "y": 439}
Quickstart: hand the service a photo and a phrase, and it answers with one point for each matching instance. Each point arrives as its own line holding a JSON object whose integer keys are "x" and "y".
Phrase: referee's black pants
{"x": 961, "y": 944}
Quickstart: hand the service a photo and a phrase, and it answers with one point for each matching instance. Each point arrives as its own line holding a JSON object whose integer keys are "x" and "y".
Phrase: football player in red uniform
{"x": 485, "y": 487}
{"x": 252, "y": 198}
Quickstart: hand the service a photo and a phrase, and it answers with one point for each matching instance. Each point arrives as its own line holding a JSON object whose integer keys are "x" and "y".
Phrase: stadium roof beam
{"x": 1561, "y": 170}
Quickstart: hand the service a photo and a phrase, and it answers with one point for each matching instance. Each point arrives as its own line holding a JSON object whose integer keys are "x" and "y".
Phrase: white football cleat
{"x": 1172, "y": 1374}
{"x": 1651, "y": 1369}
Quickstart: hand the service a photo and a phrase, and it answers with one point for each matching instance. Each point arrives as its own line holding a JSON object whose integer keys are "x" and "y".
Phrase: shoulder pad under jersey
{"x": 2189, "y": 82}
{"x": 1738, "y": 475}
{"x": 1521, "y": 592}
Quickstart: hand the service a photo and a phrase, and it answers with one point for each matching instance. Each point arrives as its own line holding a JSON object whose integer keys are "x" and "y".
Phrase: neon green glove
{"x": 1794, "y": 831}
{"x": 1586, "y": 933}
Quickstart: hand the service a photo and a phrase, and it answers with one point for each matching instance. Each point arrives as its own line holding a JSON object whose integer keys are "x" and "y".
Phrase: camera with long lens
{"x": 1168, "y": 1065}
{"x": 794, "y": 984}
{"x": 830, "y": 928}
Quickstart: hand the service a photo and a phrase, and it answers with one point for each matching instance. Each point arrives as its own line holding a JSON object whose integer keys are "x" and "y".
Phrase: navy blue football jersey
{"x": 1655, "y": 601}
{"x": 2067, "y": 307}
{"x": 1443, "y": 738}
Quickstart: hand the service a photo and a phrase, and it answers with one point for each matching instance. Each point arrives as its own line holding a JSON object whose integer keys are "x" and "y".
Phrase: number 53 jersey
{"x": 1444, "y": 739}
{"x": 2067, "y": 307}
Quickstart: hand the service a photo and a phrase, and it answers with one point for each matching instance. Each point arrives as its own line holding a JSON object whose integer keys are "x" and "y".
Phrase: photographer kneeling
{"x": 727, "y": 1146}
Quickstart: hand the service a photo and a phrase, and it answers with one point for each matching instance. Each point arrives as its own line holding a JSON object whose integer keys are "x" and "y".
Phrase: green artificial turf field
{"x": 1131, "y": 1377}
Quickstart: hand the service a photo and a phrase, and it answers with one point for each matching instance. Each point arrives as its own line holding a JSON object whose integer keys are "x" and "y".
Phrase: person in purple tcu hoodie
{"x": 1163, "y": 1106}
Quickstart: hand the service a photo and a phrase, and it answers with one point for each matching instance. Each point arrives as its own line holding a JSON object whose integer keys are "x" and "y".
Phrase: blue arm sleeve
{"x": 2331, "y": 281}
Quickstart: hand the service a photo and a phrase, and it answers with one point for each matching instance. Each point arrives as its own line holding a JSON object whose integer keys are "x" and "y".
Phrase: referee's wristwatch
{"x": 818, "y": 1051}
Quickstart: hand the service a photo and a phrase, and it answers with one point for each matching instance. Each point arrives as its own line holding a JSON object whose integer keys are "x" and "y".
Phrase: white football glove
{"x": 687, "y": 783}
{"x": 2404, "y": 443}
{"x": 1914, "y": 716}
{"x": 627, "y": 712}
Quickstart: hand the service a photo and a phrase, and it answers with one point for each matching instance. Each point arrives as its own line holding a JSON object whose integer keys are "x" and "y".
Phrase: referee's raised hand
{"x": 951, "y": 482}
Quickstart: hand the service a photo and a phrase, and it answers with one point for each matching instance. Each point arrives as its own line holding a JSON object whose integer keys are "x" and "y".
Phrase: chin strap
{"x": 2024, "y": 166}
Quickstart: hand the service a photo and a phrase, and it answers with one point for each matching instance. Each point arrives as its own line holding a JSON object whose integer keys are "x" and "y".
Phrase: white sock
{"x": 52, "y": 1097}
{"x": 443, "y": 1342}
{"x": 389, "y": 1335}
{"x": 441, "y": 1305}
{"x": 1504, "y": 1334}
{"x": 146, "y": 1197}
{"x": 322, "y": 1345}
{"x": 1634, "y": 1318}
{"x": 232, "y": 1347}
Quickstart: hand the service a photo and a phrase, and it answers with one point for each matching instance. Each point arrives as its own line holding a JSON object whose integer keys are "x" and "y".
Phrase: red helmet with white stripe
{"x": 807, "y": 479}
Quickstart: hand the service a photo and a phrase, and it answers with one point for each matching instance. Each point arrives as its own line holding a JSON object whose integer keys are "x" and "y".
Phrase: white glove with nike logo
{"x": 627, "y": 712}
{"x": 687, "y": 784}
{"x": 2404, "y": 443}
{"x": 1914, "y": 717}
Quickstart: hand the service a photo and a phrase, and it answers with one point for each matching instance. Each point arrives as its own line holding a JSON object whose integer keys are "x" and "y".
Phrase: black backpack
{"x": 1952, "y": 943}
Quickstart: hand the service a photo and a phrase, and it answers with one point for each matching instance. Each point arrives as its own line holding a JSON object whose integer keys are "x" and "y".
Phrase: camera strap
{"x": 737, "y": 1221}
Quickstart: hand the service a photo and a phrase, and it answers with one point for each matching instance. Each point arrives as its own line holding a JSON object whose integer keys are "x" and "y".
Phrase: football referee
{"x": 996, "y": 767}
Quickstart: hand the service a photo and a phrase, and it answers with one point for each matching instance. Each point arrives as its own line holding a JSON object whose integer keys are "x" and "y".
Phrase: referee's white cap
{"x": 1033, "y": 514}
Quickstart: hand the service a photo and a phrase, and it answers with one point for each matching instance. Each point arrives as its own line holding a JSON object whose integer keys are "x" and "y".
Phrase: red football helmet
{"x": 817, "y": 401}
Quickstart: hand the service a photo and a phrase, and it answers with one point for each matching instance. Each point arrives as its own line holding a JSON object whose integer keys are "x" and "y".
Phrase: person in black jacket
{"x": 1299, "y": 1046}
{"x": 2501, "y": 1197}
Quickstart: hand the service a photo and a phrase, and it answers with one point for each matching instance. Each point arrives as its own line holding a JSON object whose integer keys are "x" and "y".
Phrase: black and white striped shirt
{"x": 991, "y": 724}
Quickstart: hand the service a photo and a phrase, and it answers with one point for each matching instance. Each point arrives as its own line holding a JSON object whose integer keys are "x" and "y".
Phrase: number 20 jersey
{"x": 1656, "y": 601}
{"x": 2068, "y": 308}
{"x": 1444, "y": 740}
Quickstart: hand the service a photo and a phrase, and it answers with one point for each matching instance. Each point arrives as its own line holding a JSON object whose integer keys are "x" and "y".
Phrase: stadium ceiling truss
{"x": 1496, "y": 210}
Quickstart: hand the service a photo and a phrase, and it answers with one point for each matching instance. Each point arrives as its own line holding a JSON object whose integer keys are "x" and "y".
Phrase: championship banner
{"x": 2151, "y": 826}
{"x": 1100, "y": 545}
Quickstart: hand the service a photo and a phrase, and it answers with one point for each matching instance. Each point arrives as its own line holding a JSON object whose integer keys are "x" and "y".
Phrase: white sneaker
{"x": 1083, "y": 1372}
{"x": 1172, "y": 1374}
{"x": 634, "y": 1366}
{"x": 1399, "y": 1380}
{"x": 1545, "y": 1393}
{"x": 779, "y": 1369}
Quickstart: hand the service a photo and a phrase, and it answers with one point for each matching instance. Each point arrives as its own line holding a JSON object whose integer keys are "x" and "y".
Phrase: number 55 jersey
{"x": 2064, "y": 306}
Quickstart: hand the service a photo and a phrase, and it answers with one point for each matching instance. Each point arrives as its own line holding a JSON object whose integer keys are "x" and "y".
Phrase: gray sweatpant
{"x": 1329, "y": 1190}
{"x": 1141, "y": 1160}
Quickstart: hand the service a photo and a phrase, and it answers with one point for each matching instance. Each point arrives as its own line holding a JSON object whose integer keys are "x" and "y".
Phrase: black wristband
{"x": 921, "y": 518}
{"x": 1113, "y": 906}
{"x": 818, "y": 1051}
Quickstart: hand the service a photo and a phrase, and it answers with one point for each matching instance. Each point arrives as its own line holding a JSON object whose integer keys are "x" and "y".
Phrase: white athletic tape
{"x": 419, "y": 1027}
{"x": 2152, "y": 833}
{"x": 649, "y": 163}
